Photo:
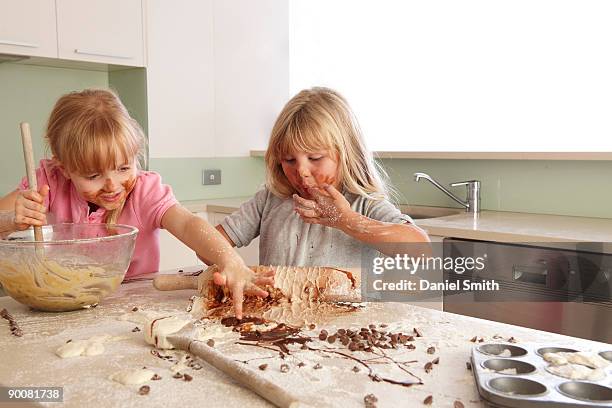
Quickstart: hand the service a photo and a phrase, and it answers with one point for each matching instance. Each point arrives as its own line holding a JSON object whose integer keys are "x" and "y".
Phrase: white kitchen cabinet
{"x": 104, "y": 31}
{"x": 218, "y": 78}
{"x": 173, "y": 253}
{"x": 250, "y": 253}
{"x": 28, "y": 27}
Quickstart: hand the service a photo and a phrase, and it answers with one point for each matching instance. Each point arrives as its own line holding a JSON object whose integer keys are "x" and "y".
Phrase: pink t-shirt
{"x": 144, "y": 209}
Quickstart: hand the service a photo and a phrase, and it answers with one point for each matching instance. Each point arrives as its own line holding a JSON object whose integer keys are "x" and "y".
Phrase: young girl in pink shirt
{"x": 95, "y": 177}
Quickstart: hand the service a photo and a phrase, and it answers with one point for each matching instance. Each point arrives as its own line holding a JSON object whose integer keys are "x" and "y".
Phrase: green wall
{"x": 240, "y": 176}
{"x": 28, "y": 93}
{"x": 576, "y": 188}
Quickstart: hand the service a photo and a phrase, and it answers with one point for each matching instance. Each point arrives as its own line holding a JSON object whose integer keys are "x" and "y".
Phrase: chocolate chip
{"x": 5, "y": 314}
{"x": 436, "y": 360}
{"x": 68, "y": 341}
{"x": 317, "y": 366}
{"x": 372, "y": 326}
{"x": 512, "y": 340}
{"x": 428, "y": 400}
{"x": 355, "y": 369}
{"x": 187, "y": 377}
{"x": 135, "y": 329}
{"x": 428, "y": 367}
{"x": 301, "y": 364}
{"x": 135, "y": 309}
{"x": 383, "y": 325}
{"x": 144, "y": 390}
{"x": 468, "y": 365}
{"x": 473, "y": 339}
{"x": 177, "y": 375}
{"x": 417, "y": 332}
{"x": 323, "y": 335}
{"x": 263, "y": 367}
{"x": 156, "y": 377}
{"x": 284, "y": 368}
{"x": 210, "y": 343}
{"x": 342, "y": 331}
{"x": 312, "y": 326}
{"x": 370, "y": 401}
{"x": 431, "y": 350}
{"x": 331, "y": 339}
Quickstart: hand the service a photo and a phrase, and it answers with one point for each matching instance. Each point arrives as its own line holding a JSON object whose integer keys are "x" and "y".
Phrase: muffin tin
{"x": 532, "y": 385}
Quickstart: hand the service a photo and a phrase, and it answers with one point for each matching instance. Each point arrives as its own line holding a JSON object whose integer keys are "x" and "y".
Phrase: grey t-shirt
{"x": 287, "y": 240}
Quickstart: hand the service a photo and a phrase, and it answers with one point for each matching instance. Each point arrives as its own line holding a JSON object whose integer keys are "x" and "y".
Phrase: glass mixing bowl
{"x": 76, "y": 266}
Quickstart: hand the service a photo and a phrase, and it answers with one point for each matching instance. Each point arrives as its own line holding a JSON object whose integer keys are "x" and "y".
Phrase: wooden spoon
{"x": 28, "y": 157}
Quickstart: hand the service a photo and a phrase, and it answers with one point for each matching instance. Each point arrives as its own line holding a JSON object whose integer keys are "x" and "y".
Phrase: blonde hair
{"x": 91, "y": 131}
{"x": 321, "y": 119}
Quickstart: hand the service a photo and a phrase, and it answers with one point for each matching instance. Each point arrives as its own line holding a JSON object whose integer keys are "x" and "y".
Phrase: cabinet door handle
{"x": 19, "y": 44}
{"x": 101, "y": 54}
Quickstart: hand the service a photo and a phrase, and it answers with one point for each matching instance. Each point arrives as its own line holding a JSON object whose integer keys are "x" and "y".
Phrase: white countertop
{"x": 30, "y": 360}
{"x": 488, "y": 225}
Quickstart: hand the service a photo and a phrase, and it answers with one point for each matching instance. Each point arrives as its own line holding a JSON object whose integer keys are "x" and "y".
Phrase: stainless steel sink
{"x": 419, "y": 212}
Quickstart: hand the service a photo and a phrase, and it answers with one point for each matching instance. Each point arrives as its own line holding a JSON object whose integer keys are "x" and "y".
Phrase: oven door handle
{"x": 530, "y": 273}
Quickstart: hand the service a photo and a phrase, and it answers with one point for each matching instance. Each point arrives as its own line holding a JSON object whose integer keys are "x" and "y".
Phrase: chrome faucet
{"x": 472, "y": 203}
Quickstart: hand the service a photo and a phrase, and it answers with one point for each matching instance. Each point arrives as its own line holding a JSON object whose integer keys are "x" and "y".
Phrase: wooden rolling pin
{"x": 240, "y": 372}
{"x": 204, "y": 282}
{"x": 175, "y": 282}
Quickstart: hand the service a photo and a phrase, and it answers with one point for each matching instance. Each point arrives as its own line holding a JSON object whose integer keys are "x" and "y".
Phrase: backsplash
{"x": 28, "y": 95}
{"x": 240, "y": 176}
{"x": 573, "y": 188}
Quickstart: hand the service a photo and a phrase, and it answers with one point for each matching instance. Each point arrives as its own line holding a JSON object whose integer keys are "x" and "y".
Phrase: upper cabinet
{"x": 102, "y": 31}
{"x": 107, "y": 31}
{"x": 27, "y": 27}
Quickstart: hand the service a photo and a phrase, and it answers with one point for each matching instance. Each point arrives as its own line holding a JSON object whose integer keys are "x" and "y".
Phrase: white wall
{"x": 471, "y": 75}
{"x": 217, "y": 75}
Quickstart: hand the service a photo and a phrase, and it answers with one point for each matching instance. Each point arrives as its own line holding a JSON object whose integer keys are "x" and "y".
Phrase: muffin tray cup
{"x": 532, "y": 386}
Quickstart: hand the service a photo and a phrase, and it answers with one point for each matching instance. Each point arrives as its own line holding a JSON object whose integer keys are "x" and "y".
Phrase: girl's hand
{"x": 328, "y": 207}
{"x": 241, "y": 280}
{"x": 30, "y": 209}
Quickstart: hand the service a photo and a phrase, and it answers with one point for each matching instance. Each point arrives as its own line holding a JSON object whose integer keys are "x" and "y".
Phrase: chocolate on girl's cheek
{"x": 90, "y": 196}
{"x": 129, "y": 185}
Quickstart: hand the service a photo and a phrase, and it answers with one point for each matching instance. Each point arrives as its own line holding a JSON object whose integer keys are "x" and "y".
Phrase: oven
{"x": 563, "y": 288}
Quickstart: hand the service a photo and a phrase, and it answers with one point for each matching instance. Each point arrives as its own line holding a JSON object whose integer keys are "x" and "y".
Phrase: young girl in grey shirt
{"x": 324, "y": 203}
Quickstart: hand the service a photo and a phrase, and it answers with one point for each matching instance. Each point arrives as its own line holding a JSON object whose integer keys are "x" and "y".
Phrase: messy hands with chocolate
{"x": 326, "y": 207}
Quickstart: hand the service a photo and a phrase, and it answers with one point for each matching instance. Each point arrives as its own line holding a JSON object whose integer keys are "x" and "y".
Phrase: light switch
{"x": 211, "y": 177}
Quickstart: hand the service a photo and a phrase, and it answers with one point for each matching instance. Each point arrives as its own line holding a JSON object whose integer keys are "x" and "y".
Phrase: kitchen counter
{"x": 487, "y": 226}
{"x": 30, "y": 360}
{"x": 520, "y": 227}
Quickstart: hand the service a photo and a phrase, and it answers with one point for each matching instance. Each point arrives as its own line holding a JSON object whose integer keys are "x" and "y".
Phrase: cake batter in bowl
{"x": 76, "y": 266}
